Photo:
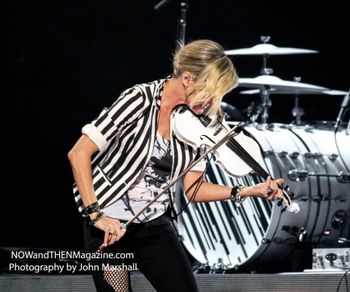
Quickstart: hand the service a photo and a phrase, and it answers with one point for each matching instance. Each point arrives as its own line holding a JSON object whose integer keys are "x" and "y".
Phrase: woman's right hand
{"x": 111, "y": 228}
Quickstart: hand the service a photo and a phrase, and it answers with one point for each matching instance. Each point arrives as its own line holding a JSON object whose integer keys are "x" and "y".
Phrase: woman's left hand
{"x": 268, "y": 190}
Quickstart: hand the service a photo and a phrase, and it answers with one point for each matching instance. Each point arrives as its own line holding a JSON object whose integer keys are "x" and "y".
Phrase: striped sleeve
{"x": 126, "y": 109}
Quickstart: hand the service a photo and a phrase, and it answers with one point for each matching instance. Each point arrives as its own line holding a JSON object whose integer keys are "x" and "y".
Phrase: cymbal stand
{"x": 297, "y": 111}
{"x": 265, "y": 70}
{"x": 265, "y": 92}
{"x": 266, "y": 103}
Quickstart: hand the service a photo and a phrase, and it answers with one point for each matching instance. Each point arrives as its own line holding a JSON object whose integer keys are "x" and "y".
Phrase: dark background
{"x": 69, "y": 59}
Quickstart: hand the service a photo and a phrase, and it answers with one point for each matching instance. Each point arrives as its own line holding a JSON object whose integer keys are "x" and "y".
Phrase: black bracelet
{"x": 98, "y": 217}
{"x": 92, "y": 208}
{"x": 236, "y": 193}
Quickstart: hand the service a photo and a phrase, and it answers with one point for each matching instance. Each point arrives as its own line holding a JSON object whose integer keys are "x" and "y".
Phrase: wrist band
{"x": 92, "y": 208}
{"x": 236, "y": 193}
{"x": 98, "y": 217}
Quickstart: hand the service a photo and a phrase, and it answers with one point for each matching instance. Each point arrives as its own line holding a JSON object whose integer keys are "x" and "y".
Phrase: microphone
{"x": 343, "y": 109}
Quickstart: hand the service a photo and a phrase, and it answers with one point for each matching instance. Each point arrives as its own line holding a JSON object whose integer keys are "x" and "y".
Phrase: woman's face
{"x": 200, "y": 108}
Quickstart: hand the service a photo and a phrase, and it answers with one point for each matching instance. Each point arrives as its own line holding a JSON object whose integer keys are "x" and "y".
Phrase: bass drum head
{"x": 225, "y": 235}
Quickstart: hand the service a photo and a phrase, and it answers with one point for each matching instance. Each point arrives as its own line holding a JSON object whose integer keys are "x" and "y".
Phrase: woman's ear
{"x": 186, "y": 77}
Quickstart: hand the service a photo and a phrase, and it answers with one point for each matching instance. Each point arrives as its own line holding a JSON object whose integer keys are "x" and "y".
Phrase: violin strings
{"x": 238, "y": 149}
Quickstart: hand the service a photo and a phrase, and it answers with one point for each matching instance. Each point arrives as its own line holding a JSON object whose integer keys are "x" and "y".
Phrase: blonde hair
{"x": 214, "y": 72}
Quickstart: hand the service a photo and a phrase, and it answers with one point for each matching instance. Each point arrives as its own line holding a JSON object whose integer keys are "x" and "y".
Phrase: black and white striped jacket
{"x": 125, "y": 134}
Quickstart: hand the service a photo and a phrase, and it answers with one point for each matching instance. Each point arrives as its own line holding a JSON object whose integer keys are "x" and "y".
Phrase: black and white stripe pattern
{"x": 125, "y": 134}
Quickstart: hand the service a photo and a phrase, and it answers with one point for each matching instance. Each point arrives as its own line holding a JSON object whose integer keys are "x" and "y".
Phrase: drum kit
{"x": 266, "y": 84}
{"x": 314, "y": 161}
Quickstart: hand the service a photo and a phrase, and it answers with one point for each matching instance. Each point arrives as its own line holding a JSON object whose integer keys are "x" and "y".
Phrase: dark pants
{"x": 157, "y": 253}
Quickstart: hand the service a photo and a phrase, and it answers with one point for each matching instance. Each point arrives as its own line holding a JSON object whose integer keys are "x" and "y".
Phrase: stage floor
{"x": 282, "y": 282}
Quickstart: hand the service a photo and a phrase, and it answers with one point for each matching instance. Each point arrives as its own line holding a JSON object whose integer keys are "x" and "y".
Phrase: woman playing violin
{"x": 129, "y": 154}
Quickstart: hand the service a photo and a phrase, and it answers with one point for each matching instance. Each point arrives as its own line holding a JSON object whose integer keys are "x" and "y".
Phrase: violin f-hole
{"x": 205, "y": 136}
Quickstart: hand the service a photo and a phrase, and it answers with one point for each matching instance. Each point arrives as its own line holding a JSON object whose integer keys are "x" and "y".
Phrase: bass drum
{"x": 226, "y": 235}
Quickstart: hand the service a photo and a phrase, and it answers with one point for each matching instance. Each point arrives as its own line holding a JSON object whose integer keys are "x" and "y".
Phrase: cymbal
{"x": 295, "y": 92}
{"x": 268, "y": 49}
{"x": 273, "y": 82}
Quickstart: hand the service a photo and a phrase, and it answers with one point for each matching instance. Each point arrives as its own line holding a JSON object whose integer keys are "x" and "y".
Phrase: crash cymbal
{"x": 295, "y": 92}
{"x": 268, "y": 49}
{"x": 273, "y": 83}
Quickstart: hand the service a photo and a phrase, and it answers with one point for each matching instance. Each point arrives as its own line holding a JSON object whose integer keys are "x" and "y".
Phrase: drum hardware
{"x": 220, "y": 265}
{"x": 303, "y": 174}
{"x": 267, "y": 83}
{"x": 253, "y": 112}
{"x": 295, "y": 231}
{"x": 270, "y": 127}
{"x": 266, "y": 103}
{"x": 266, "y": 71}
{"x": 319, "y": 198}
{"x": 339, "y": 219}
{"x": 297, "y": 111}
{"x": 217, "y": 268}
{"x": 294, "y": 155}
{"x": 268, "y": 153}
{"x": 343, "y": 177}
{"x": 302, "y": 234}
{"x": 283, "y": 154}
{"x": 343, "y": 240}
{"x": 333, "y": 156}
{"x": 264, "y": 127}
{"x": 309, "y": 129}
{"x": 331, "y": 259}
{"x": 312, "y": 155}
{"x": 343, "y": 108}
{"x": 297, "y": 175}
{"x": 341, "y": 198}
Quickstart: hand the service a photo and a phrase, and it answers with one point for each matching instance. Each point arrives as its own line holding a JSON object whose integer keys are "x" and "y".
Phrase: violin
{"x": 236, "y": 153}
